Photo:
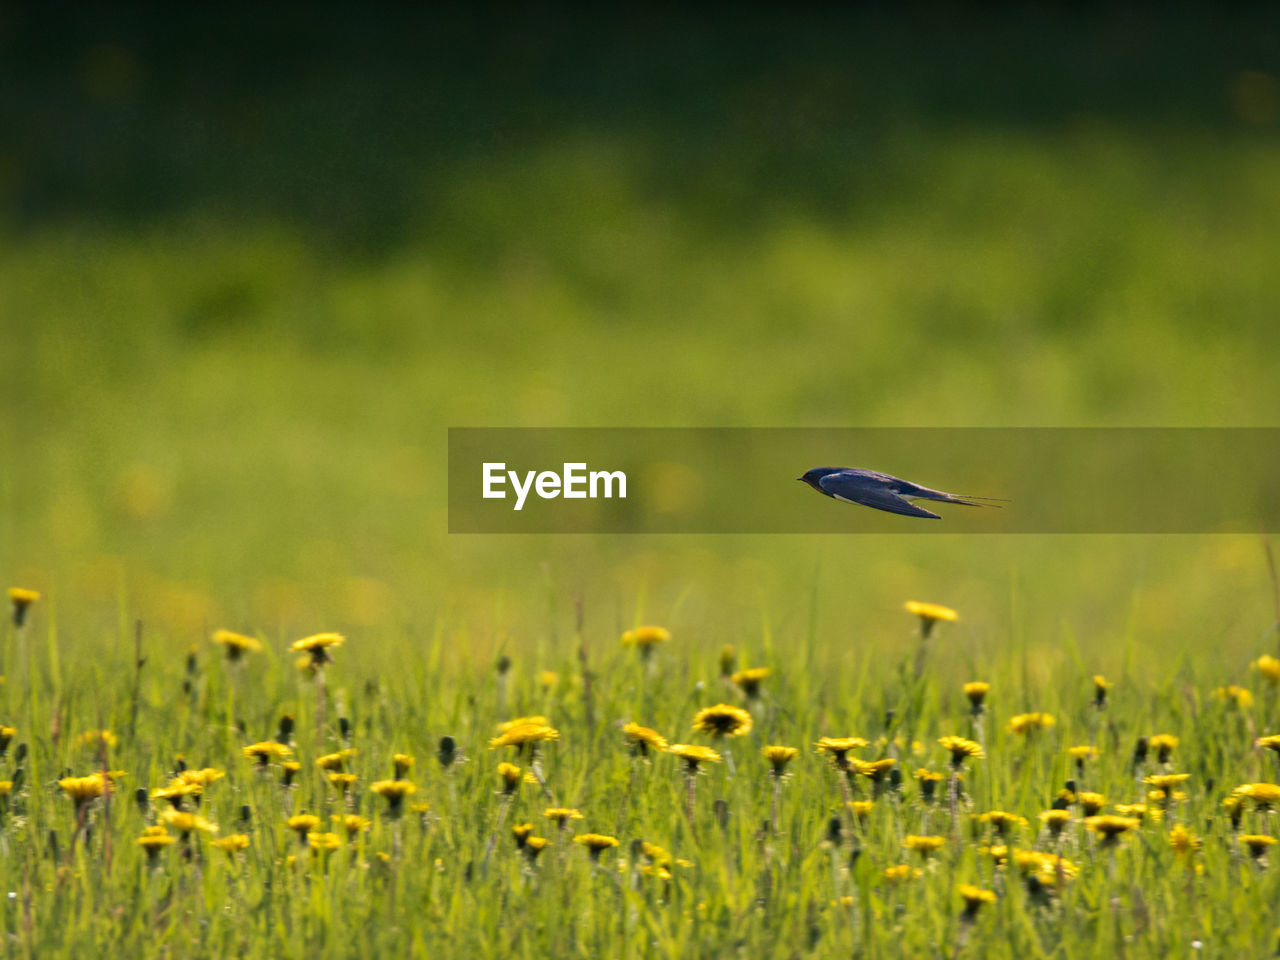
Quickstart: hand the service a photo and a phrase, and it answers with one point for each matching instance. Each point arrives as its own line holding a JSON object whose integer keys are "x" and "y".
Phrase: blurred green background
{"x": 253, "y": 263}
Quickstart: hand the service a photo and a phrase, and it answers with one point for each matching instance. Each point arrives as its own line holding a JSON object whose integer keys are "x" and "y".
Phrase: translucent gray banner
{"x": 744, "y": 480}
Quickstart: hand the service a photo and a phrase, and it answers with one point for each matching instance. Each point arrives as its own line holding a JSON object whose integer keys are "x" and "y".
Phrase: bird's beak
{"x": 801, "y": 479}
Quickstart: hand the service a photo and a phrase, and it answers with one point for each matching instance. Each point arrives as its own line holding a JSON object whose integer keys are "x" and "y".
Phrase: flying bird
{"x": 883, "y": 492}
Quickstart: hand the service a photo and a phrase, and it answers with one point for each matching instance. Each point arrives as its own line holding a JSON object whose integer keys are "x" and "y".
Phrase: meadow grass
{"x": 803, "y": 878}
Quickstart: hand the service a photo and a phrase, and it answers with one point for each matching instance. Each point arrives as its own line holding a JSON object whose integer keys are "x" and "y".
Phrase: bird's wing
{"x": 853, "y": 489}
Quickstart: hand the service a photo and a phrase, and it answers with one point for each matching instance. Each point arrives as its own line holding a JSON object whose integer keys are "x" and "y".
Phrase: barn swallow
{"x": 881, "y": 491}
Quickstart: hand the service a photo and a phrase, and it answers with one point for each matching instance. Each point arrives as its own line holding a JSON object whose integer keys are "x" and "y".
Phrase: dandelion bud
{"x": 21, "y": 753}
{"x": 503, "y": 665}
{"x": 246, "y": 813}
{"x": 285, "y": 730}
{"x": 833, "y": 830}
{"x": 344, "y": 728}
{"x": 143, "y": 801}
{"x": 1140, "y": 750}
{"x": 728, "y": 659}
{"x": 447, "y": 752}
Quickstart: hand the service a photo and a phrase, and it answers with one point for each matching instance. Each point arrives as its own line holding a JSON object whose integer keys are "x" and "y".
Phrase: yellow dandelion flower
{"x": 537, "y": 720}
{"x": 693, "y": 755}
{"x": 1000, "y": 819}
{"x": 1100, "y": 687}
{"x": 154, "y": 840}
{"x": 1111, "y": 826}
{"x": 522, "y": 832}
{"x": 302, "y": 824}
{"x": 1269, "y": 667}
{"x": 266, "y": 751}
{"x": 901, "y": 873}
{"x": 596, "y": 843}
{"x": 232, "y": 843}
{"x": 862, "y": 808}
{"x": 1082, "y": 753}
{"x": 1055, "y": 820}
{"x": 1028, "y": 722}
{"x": 779, "y": 757}
{"x": 1166, "y": 781}
{"x": 342, "y": 782}
{"x": 1183, "y": 841}
{"x": 646, "y": 638}
{"x": 186, "y": 823}
{"x": 21, "y": 600}
{"x": 926, "y": 846}
{"x": 324, "y": 842}
{"x": 1269, "y": 742}
{"x": 335, "y": 761}
{"x": 838, "y": 747}
{"x": 1257, "y": 843}
{"x": 520, "y": 736}
{"x": 84, "y": 789}
{"x": 929, "y": 614}
{"x": 749, "y": 680}
{"x": 548, "y": 679}
{"x": 974, "y": 898}
{"x": 203, "y": 777}
{"x": 401, "y": 763}
{"x": 722, "y": 720}
{"x": 1235, "y": 810}
{"x": 976, "y": 691}
{"x": 394, "y": 792}
{"x": 1136, "y": 810}
{"x": 510, "y": 775}
{"x": 961, "y": 750}
{"x": 176, "y": 792}
{"x": 317, "y": 647}
{"x": 643, "y": 739}
{"x": 534, "y": 846}
{"x": 236, "y": 644}
{"x": 1263, "y": 795}
{"x": 560, "y": 814}
{"x": 1091, "y": 802}
{"x": 875, "y": 769}
{"x": 1236, "y": 696}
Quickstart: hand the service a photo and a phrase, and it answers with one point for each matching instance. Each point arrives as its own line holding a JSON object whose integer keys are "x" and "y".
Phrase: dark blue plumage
{"x": 881, "y": 491}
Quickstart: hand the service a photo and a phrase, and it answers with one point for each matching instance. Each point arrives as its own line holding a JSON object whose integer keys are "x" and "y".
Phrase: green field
{"x": 249, "y": 277}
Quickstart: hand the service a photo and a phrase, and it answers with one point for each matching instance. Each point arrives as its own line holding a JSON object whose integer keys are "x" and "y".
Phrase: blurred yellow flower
{"x": 976, "y": 691}
{"x": 317, "y": 646}
{"x": 749, "y": 680}
{"x": 693, "y": 755}
{"x": 645, "y": 638}
{"x": 926, "y": 846}
{"x": 1027, "y": 722}
{"x": 930, "y": 614}
{"x": 1263, "y": 795}
{"x": 1111, "y": 826}
{"x": 186, "y": 823}
{"x": 21, "y": 600}
{"x": 232, "y": 843}
{"x": 644, "y": 739}
{"x": 524, "y": 734}
{"x": 1236, "y": 696}
{"x": 779, "y": 757}
{"x": 961, "y": 750}
{"x": 236, "y": 644}
{"x": 1269, "y": 667}
{"x": 722, "y": 720}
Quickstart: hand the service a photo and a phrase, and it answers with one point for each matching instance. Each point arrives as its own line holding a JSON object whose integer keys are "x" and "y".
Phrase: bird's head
{"x": 811, "y": 477}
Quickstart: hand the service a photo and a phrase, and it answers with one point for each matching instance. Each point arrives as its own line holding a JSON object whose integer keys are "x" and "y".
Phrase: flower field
{"x": 637, "y": 798}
